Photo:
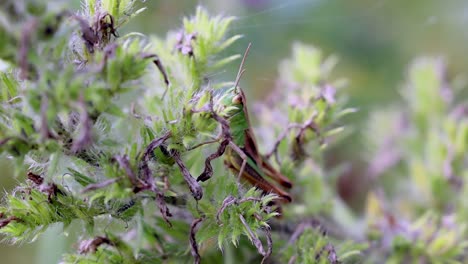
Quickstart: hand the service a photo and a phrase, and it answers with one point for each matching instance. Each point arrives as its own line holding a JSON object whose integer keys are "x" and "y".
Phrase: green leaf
{"x": 82, "y": 179}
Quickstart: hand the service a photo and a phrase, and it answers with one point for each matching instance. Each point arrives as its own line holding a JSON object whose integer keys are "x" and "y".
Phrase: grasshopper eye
{"x": 237, "y": 99}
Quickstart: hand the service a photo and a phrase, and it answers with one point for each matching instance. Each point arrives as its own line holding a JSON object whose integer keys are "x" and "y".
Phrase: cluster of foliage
{"x": 419, "y": 150}
{"x": 125, "y": 137}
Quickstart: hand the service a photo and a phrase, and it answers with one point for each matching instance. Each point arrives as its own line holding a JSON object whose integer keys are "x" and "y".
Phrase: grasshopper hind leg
{"x": 248, "y": 173}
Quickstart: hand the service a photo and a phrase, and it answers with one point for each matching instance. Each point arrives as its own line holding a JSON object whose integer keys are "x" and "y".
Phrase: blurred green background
{"x": 374, "y": 40}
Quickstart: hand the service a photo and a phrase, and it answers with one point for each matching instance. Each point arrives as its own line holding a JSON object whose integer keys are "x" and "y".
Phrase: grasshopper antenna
{"x": 241, "y": 67}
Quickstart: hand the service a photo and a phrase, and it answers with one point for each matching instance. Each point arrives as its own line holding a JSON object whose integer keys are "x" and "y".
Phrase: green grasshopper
{"x": 239, "y": 144}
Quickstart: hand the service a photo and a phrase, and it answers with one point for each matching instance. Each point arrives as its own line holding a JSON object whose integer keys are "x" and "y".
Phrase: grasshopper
{"x": 239, "y": 144}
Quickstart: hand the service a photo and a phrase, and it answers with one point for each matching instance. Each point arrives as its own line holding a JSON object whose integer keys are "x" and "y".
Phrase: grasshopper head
{"x": 229, "y": 103}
